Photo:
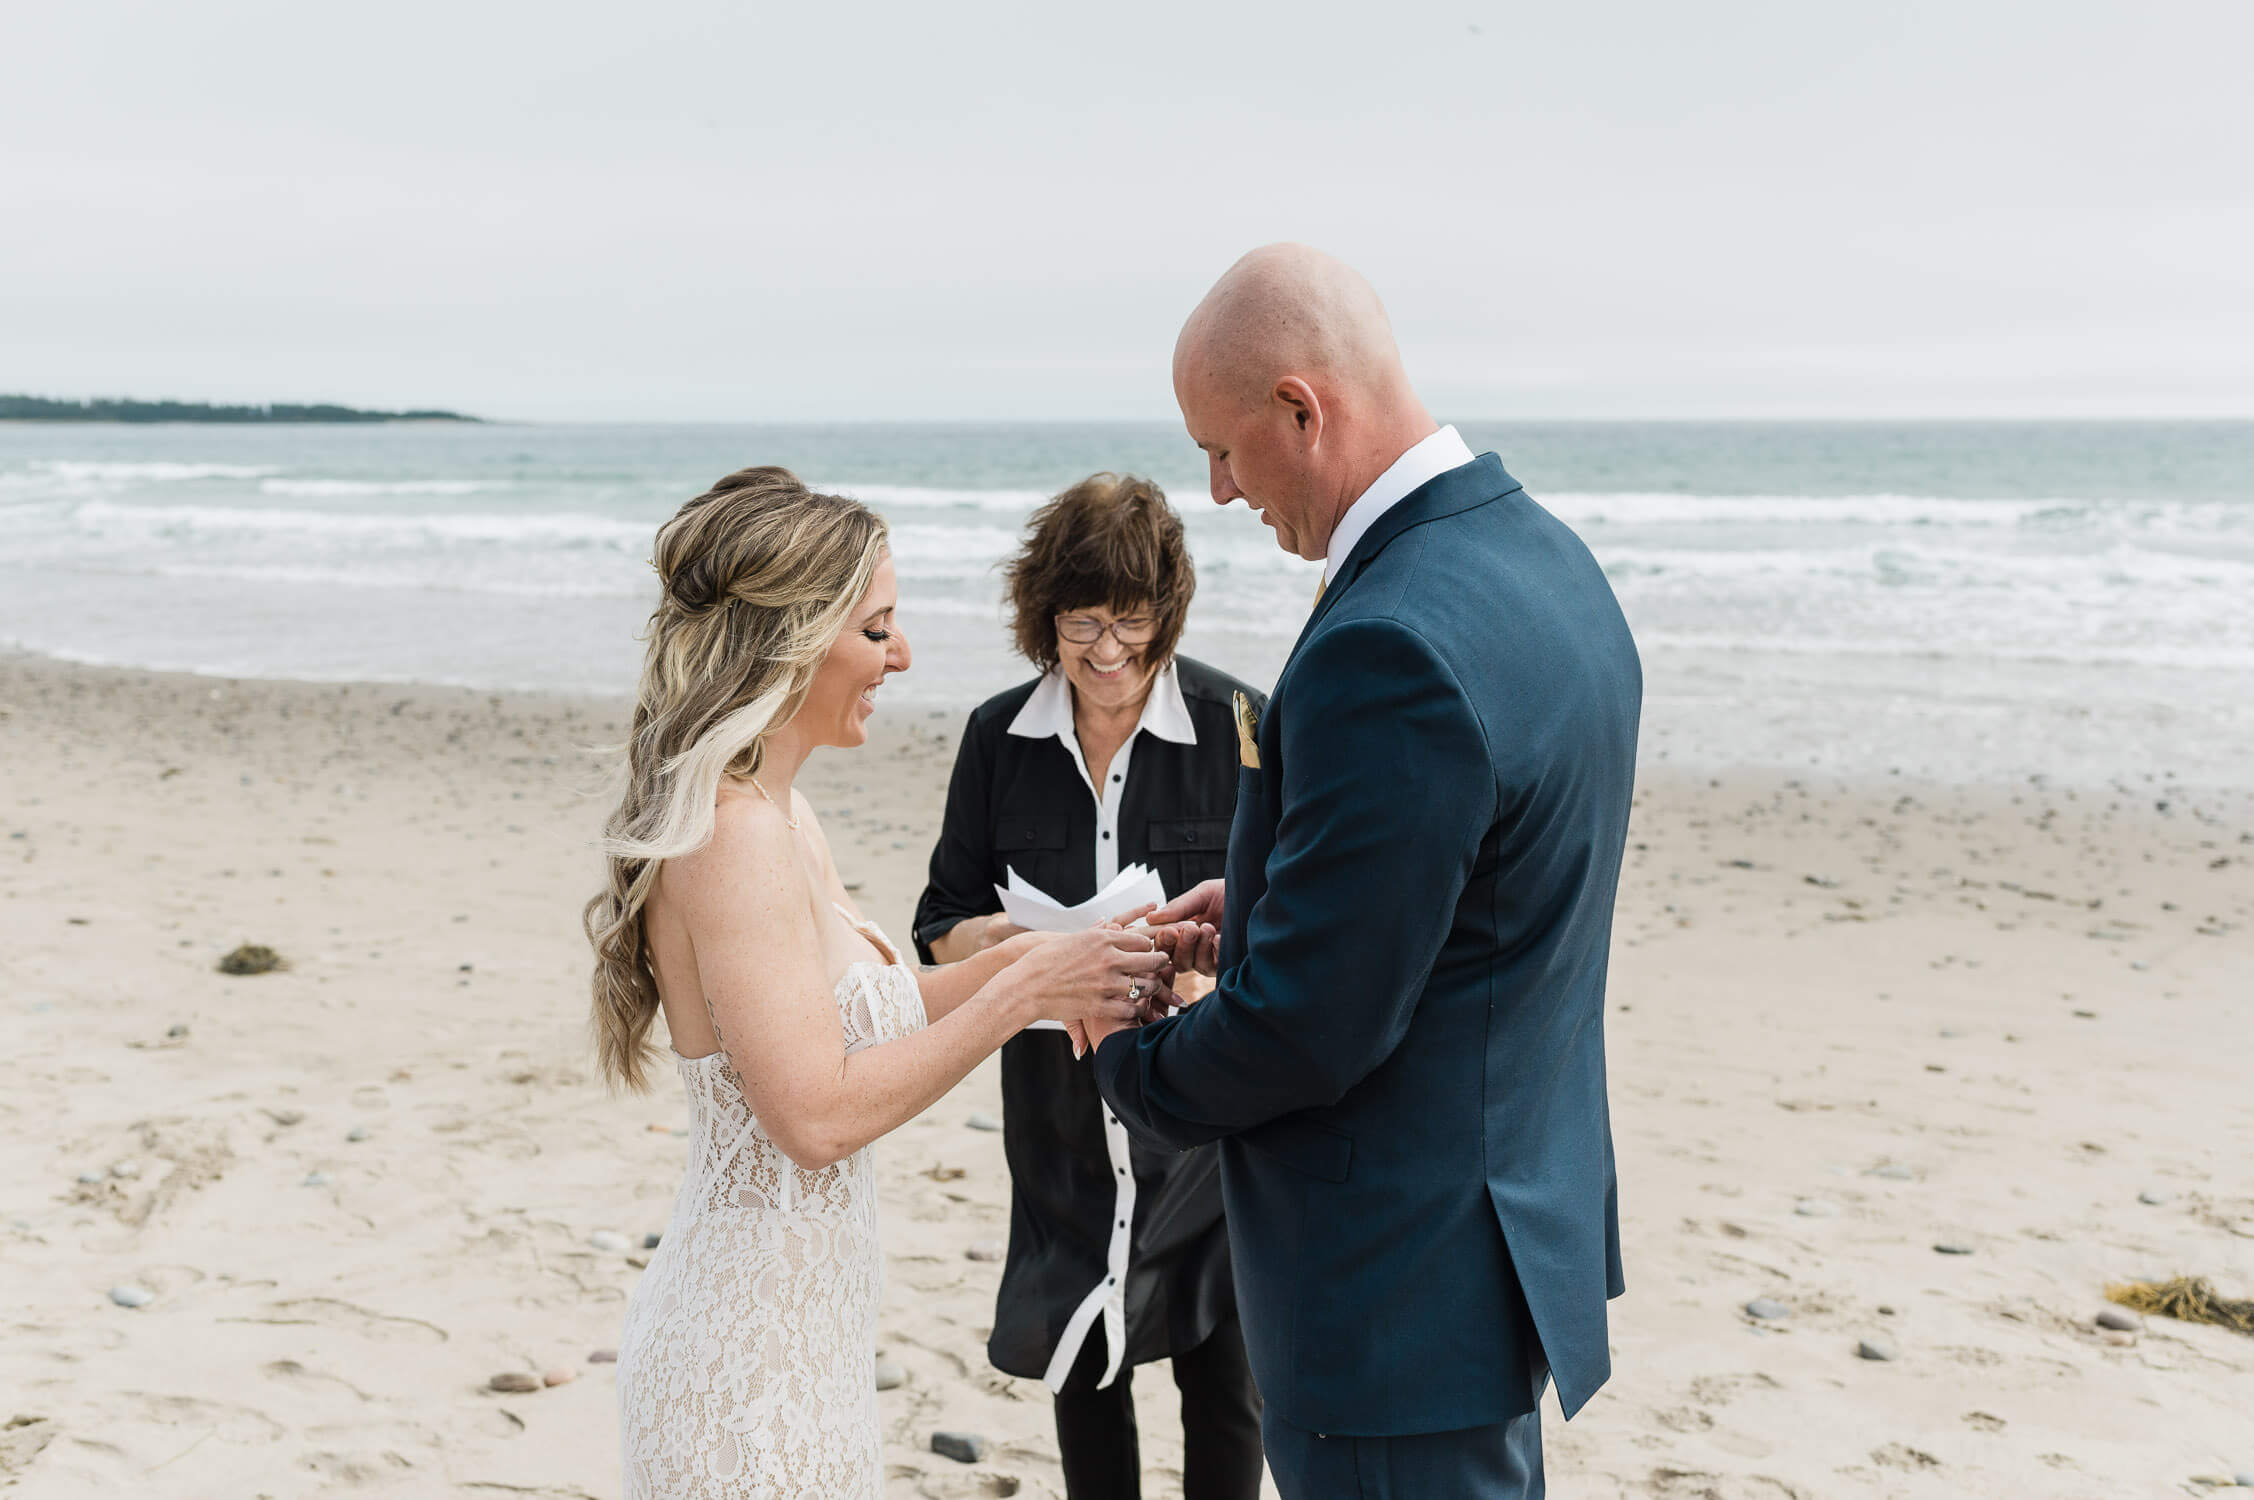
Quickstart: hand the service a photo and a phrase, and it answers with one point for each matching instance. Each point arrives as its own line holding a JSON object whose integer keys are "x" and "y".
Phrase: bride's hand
{"x": 1103, "y": 974}
{"x": 1158, "y": 1003}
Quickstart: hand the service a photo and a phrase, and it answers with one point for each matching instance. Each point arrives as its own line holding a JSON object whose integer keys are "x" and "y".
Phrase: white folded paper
{"x": 1035, "y": 910}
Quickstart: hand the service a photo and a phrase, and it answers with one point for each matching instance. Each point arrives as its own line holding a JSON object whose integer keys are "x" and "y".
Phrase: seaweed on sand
{"x": 2189, "y": 1298}
{"x": 252, "y": 958}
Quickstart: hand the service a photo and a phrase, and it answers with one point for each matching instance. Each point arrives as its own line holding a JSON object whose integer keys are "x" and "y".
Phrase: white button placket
{"x": 1108, "y": 1299}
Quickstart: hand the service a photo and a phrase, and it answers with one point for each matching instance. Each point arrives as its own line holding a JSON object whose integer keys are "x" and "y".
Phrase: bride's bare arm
{"x": 749, "y": 911}
{"x": 946, "y": 986}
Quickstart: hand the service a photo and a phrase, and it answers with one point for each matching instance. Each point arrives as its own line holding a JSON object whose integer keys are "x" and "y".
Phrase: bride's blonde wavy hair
{"x": 759, "y": 574}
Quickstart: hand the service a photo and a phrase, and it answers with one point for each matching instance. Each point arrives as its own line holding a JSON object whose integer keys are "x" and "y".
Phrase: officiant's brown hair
{"x": 1110, "y": 540}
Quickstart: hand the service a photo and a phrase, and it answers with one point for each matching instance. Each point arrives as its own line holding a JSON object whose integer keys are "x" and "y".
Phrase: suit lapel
{"x": 1460, "y": 489}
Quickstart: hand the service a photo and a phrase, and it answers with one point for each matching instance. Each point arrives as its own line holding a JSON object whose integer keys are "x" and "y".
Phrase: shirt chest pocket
{"x": 1033, "y": 844}
{"x": 1188, "y": 850}
{"x": 1015, "y": 835}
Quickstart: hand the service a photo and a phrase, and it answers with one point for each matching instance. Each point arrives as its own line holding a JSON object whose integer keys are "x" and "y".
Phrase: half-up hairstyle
{"x": 759, "y": 575}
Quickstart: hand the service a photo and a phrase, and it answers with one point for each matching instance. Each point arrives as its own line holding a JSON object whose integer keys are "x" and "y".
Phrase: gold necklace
{"x": 771, "y": 802}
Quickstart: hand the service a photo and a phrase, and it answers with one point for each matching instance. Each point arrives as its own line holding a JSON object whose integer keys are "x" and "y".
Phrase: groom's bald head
{"x": 1288, "y": 310}
{"x": 1289, "y": 378}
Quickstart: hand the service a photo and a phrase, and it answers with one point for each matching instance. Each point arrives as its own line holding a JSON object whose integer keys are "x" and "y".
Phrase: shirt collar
{"x": 1166, "y": 713}
{"x": 1425, "y": 462}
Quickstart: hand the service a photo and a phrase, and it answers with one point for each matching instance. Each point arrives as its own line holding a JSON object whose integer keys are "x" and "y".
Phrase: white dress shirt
{"x": 1166, "y": 714}
{"x": 1427, "y": 461}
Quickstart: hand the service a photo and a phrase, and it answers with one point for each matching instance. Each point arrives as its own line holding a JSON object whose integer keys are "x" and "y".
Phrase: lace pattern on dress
{"x": 744, "y": 1367}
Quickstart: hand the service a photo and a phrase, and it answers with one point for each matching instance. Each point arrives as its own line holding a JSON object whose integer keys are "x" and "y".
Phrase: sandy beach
{"x": 1850, "y": 1023}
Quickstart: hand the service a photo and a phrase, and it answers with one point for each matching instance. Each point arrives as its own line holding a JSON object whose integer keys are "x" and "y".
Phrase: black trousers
{"x": 1103, "y": 1456}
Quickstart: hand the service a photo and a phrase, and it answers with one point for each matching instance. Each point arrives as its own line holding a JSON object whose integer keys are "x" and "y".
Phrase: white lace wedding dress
{"x": 746, "y": 1368}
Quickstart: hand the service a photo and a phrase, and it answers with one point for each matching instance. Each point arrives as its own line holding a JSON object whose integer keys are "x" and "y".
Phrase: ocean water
{"x": 1952, "y": 599}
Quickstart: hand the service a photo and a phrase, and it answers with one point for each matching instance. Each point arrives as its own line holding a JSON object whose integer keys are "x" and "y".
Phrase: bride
{"x": 745, "y": 1367}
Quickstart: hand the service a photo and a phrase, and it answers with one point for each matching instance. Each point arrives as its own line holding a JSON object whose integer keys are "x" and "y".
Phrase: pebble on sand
{"x": 177, "y": 1030}
{"x": 1815, "y": 1208}
{"x": 962, "y": 1447}
{"x": 983, "y": 1121}
{"x": 129, "y": 1295}
{"x": 2245, "y": 1478}
{"x": 1767, "y": 1307}
{"x": 2154, "y": 1198}
{"x": 987, "y": 1250}
{"x": 316, "y": 1179}
{"x": 357, "y": 1133}
{"x": 514, "y": 1382}
{"x": 1952, "y": 1247}
{"x": 890, "y": 1377}
{"x": 609, "y": 1241}
{"x": 653, "y": 1239}
{"x": 603, "y": 1357}
{"x": 558, "y": 1376}
{"x": 1877, "y": 1349}
{"x": 1893, "y": 1171}
{"x": 2119, "y": 1319}
{"x": 91, "y": 1177}
{"x": 125, "y": 1171}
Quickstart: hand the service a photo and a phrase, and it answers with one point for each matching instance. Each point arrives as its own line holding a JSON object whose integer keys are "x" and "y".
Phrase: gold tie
{"x": 1320, "y": 585}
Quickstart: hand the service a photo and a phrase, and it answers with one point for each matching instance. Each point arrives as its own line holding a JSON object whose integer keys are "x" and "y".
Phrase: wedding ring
{"x": 1134, "y": 992}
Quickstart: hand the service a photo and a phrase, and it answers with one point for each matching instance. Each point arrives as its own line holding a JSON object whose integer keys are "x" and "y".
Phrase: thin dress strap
{"x": 871, "y": 931}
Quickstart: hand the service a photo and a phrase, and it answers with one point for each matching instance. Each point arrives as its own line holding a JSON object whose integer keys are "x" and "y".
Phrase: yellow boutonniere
{"x": 1248, "y": 733}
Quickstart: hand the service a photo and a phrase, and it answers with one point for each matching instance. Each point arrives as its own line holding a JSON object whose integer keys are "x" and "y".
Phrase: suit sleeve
{"x": 959, "y": 885}
{"x": 1388, "y": 790}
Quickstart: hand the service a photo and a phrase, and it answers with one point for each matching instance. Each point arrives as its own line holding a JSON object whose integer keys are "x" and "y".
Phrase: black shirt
{"x": 1020, "y": 802}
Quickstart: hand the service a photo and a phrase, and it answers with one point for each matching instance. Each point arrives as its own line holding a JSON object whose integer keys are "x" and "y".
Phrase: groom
{"x": 1404, "y": 1058}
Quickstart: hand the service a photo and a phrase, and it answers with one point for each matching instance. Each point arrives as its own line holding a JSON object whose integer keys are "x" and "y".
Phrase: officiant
{"x": 1119, "y": 752}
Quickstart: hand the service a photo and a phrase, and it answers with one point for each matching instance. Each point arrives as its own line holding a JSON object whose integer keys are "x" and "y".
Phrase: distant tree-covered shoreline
{"x": 112, "y": 409}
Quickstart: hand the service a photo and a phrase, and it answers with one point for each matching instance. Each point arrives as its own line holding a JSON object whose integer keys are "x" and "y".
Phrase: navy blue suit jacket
{"x": 1404, "y": 1057}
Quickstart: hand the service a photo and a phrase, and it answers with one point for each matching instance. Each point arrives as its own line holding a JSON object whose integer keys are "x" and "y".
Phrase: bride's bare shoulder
{"x": 751, "y": 855}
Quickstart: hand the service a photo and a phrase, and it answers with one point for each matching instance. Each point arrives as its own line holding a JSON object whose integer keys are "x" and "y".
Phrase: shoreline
{"x": 1678, "y": 717}
{"x": 1849, "y": 1019}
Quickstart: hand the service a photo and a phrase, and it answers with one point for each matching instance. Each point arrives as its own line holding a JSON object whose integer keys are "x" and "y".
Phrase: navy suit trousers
{"x": 1500, "y": 1461}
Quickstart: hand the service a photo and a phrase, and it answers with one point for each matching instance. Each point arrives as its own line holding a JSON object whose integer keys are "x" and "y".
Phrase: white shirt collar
{"x": 1166, "y": 713}
{"x": 1427, "y": 461}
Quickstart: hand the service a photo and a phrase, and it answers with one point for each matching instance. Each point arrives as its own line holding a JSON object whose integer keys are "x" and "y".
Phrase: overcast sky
{"x": 738, "y": 212}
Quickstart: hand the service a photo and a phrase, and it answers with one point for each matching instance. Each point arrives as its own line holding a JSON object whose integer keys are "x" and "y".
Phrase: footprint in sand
{"x": 972, "y": 1486}
{"x": 329, "y": 1312}
{"x": 22, "y": 1439}
{"x": 290, "y": 1373}
{"x": 1718, "y": 1390}
{"x": 357, "y": 1469}
{"x": 244, "y": 1426}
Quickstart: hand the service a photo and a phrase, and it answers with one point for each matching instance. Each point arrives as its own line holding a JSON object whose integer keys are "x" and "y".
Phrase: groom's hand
{"x": 1200, "y": 903}
{"x": 1188, "y": 927}
{"x": 1191, "y": 947}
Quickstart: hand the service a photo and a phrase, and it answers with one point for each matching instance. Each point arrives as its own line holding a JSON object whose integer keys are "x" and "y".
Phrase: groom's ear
{"x": 1299, "y": 399}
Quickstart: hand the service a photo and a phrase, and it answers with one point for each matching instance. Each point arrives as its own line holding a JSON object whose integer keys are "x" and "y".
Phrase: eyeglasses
{"x": 1083, "y": 630}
